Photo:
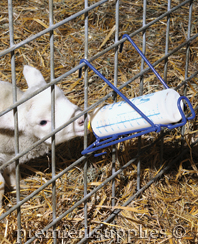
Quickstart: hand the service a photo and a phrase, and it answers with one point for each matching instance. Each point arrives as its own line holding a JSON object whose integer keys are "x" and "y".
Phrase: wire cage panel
{"x": 179, "y": 47}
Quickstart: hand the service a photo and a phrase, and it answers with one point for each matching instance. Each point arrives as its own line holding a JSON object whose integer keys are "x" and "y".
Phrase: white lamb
{"x": 34, "y": 122}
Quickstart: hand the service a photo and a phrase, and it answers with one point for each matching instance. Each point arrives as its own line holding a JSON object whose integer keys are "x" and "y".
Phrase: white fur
{"x": 30, "y": 114}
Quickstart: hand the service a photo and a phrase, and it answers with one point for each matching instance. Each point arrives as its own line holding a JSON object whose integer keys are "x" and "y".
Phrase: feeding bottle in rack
{"x": 160, "y": 107}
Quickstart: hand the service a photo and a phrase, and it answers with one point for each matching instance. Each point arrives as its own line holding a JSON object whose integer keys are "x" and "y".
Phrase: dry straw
{"x": 172, "y": 200}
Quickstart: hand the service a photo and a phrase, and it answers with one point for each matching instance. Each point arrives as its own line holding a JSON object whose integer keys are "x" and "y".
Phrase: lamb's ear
{"x": 33, "y": 76}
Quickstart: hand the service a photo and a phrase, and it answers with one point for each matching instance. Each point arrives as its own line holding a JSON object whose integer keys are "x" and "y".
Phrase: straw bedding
{"x": 172, "y": 201}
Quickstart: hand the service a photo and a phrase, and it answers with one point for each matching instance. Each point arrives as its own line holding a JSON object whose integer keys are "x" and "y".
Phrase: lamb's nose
{"x": 81, "y": 121}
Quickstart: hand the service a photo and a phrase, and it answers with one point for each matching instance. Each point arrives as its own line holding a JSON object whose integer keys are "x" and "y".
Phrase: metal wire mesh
{"x": 87, "y": 108}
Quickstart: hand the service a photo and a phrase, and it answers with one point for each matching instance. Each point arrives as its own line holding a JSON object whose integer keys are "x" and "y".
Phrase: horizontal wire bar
{"x": 42, "y": 140}
{"x": 52, "y": 27}
{"x": 139, "y": 30}
{"x": 85, "y": 198}
{"x": 42, "y": 187}
{"x": 159, "y": 61}
{"x": 106, "y": 181}
{"x": 31, "y": 38}
{"x": 58, "y": 79}
{"x": 90, "y": 107}
{"x": 53, "y": 82}
{"x": 186, "y": 80}
{"x": 117, "y": 211}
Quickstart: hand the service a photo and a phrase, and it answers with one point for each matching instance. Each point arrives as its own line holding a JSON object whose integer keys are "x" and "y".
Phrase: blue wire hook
{"x": 103, "y": 142}
{"x": 145, "y": 59}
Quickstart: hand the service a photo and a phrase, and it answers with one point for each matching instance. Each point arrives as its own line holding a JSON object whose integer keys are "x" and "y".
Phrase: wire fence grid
{"x": 115, "y": 47}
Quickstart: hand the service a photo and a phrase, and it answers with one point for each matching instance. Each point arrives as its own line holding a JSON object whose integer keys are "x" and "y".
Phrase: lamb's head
{"x": 35, "y": 114}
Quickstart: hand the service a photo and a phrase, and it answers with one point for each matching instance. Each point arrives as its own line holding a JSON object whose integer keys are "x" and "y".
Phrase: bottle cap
{"x": 89, "y": 126}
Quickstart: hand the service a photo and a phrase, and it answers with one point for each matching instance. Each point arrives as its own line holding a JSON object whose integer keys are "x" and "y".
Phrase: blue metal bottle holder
{"x": 106, "y": 141}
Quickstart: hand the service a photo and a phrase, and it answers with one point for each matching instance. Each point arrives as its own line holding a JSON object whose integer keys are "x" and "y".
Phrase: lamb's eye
{"x": 43, "y": 122}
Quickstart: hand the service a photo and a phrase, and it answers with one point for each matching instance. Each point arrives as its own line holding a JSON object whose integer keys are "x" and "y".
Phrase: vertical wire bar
{"x": 15, "y": 113}
{"x": 114, "y": 151}
{"x": 53, "y": 149}
{"x": 141, "y": 88}
{"x": 143, "y": 45}
{"x": 187, "y": 62}
{"x": 167, "y": 41}
{"x": 188, "y": 44}
{"x": 165, "y": 77}
{"x": 85, "y": 124}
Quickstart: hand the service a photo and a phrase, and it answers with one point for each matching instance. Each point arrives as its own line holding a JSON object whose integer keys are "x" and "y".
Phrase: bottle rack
{"x": 106, "y": 141}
